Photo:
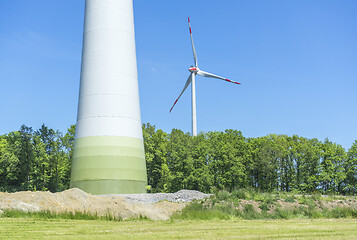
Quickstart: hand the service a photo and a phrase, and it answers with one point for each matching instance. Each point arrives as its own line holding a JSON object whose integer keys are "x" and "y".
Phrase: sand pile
{"x": 159, "y": 206}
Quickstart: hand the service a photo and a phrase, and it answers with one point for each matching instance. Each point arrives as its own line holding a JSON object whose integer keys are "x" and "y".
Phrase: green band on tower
{"x": 108, "y": 165}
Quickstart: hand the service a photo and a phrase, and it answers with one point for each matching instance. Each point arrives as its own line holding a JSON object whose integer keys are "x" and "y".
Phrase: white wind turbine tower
{"x": 191, "y": 79}
{"x": 108, "y": 154}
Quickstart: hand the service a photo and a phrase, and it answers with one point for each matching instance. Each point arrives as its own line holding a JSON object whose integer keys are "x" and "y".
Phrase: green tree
{"x": 48, "y": 138}
{"x": 200, "y": 176}
{"x": 308, "y": 155}
{"x": 68, "y": 141}
{"x": 9, "y": 164}
{"x": 179, "y": 160}
{"x": 332, "y": 174}
{"x": 26, "y": 156}
{"x": 40, "y": 170}
{"x": 263, "y": 165}
{"x": 58, "y": 150}
{"x": 158, "y": 172}
{"x": 226, "y": 161}
{"x": 350, "y": 167}
{"x": 67, "y": 155}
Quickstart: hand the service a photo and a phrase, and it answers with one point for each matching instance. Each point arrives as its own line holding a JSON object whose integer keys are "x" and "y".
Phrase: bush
{"x": 290, "y": 199}
{"x": 196, "y": 211}
{"x": 308, "y": 201}
{"x": 264, "y": 207}
{"x": 316, "y": 214}
{"x": 250, "y": 213}
{"x": 281, "y": 213}
{"x": 227, "y": 208}
{"x": 223, "y": 196}
{"x": 342, "y": 213}
{"x": 240, "y": 194}
{"x": 223, "y": 206}
{"x": 316, "y": 196}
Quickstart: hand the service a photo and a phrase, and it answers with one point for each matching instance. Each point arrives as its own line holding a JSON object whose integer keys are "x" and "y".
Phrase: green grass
{"x": 198, "y": 211}
{"x": 10, "y": 213}
{"x": 33, "y": 228}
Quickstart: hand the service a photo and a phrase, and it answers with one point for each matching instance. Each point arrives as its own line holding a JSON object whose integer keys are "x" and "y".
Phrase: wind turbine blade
{"x": 193, "y": 46}
{"x": 210, "y": 75}
{"x": 184, "y": 88}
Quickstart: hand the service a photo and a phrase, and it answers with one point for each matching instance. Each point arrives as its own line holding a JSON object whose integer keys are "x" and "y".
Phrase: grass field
{"x": 32, "y": 228}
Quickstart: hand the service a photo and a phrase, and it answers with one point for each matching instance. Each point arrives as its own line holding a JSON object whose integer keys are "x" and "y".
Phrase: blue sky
{"x": 296, "y": 60}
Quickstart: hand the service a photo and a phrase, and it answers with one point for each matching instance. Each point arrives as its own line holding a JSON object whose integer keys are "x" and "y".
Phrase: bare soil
{"x": 158, "y": 206}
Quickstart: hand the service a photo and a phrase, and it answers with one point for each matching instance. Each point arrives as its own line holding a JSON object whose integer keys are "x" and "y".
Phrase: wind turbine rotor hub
{"x": 193, "y": 69}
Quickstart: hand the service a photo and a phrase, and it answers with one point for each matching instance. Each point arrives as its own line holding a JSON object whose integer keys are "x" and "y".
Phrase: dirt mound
{"x": 123, "y": 206}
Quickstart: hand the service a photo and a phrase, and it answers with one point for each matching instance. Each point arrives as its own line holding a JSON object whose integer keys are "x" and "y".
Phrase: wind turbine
{"x": 191, "y": 79}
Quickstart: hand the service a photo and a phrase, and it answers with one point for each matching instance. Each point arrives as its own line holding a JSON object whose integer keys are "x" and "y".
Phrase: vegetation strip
{"x": 250, "y": 204}
{"x": 240, "y": 204}
{"x": 41, "y": 160}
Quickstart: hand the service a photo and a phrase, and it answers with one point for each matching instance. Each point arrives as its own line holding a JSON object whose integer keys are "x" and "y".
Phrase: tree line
{"x": 41, "y": 160}
{"x": 36, "y": 160}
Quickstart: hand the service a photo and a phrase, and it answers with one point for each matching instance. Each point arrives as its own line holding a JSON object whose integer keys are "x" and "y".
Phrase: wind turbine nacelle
{"x": 193, "y": 69}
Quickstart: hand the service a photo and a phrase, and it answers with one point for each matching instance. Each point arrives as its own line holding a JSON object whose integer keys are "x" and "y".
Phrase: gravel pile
{"x": 179, "y": 197}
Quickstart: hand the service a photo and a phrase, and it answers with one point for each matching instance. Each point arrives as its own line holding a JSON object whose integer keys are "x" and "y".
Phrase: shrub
{"x": 308, "y": 201}
{"x": 316, "y": 196}
{"x": 223, "y": 196}
{"x": 250, "y": 213}
{"x": 281, "y": 213}
{"x": 264, "y": 207}
{"x": 342, "y": 212}
{"x": 223, "y": 206}
{"x": 240, "y": 194}
{"x": 290, "y": 199}
{"x": 196, "y": 211}
{"x": 316, "y": 214}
